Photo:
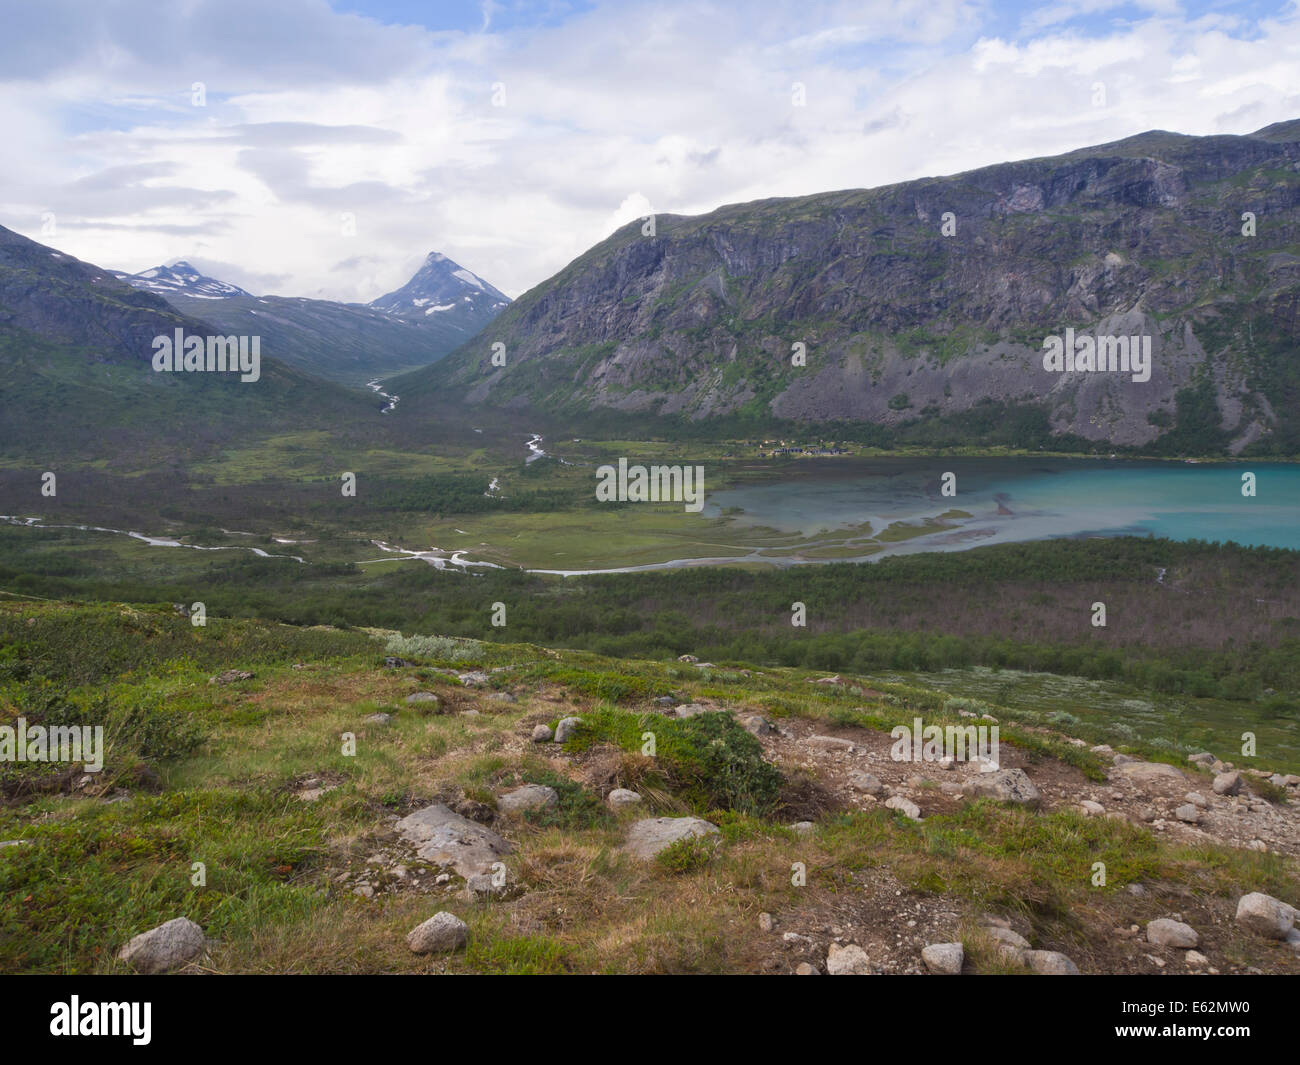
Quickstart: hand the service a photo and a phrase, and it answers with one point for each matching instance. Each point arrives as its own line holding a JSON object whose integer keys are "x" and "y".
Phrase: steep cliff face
{"x": 927, "y": 299}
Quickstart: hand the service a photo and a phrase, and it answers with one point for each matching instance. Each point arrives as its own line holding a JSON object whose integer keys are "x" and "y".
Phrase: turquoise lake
{"x": 1019, "y": 499}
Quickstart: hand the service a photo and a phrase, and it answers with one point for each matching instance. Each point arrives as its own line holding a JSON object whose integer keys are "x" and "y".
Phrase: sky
{"x": 324, "y": 147}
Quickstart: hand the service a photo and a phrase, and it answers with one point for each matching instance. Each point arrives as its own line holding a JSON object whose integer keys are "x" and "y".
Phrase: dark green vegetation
{"x": 1224, "y": 623}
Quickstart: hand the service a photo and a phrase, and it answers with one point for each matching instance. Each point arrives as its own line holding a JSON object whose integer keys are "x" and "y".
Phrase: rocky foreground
{"x": 512, "y": 809}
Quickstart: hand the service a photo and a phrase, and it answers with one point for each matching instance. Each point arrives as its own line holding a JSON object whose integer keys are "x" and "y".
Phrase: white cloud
{"x": 611, "y": 113}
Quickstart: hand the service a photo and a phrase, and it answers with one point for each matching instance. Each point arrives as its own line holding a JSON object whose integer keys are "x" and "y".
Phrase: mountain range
{"x": 439, "y": 308}
{"x": 923, "y": 307}
{"x": 914, "y": 314}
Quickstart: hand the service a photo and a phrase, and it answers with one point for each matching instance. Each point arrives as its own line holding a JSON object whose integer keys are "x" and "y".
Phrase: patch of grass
{"x": 709, "y": 760}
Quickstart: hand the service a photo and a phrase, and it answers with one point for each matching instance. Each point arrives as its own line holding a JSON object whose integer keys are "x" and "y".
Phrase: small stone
{"x": 804, "y": 828}
{"x": 904, "y": 806}
{"x": 944, "y": 959}
{"x": 543, "y": 734}
{"x": 1188, "y": 813}
{"x": 1197, "y": 799}
{"x": 443, "y": 932}
{"x": 1050, "y": 963}
{"x": 528, "y": 797}
{"x": 1195, "y": 957}
{"x": 1163, "y": 932}
{"x": 861, "y": 781}
{"x": 377, "y": 719}
{"x": 422, "y": 697}
{"x": 806, "y": 969}
{"x": 622, "y": 797}
{"x": 166, "y": 947}
{"x": 758, "y": 725}
{"x": 693, "y": 709}
{"x": 765, "y": 922}
{"x": 565, "y": 729}
{"x": 230, "y": 676}
{"x": 1092, "y": 809}
{"x": 850, "y": 960}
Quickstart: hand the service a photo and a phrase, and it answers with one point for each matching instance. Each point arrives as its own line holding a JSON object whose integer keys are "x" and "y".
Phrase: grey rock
{"x": 474, "y": 679}
{"x": 1092, "y": 809}
{"x": 806, "y": 969}
{"x": 1189, "y": 814}
{"x": 1265, "y": 915}
{"x": 565, "y": 729}
{"x": 1147, "y": 772}
{"x": 758, "y": 725}
{"x": 528, "y": 797}
{"x": 1006, "y": 785}
{"x": 944, "y": 959}
{"x": 647, "y": 838}
{"x": 862, "y": 781}
{"x": 1227, "y": 783}
{"x": 169, "y": 946}
{"x": 622, "y": 797}
{"x": 1164, "y": 932}
{"x": 442, "y": 837}
{"x": 422, "y": 697}
{"x": 543, "y": 734}
{"x": 1050, "y": 963}
{"x": 442, "y": 933}
{"x": 904, "y": 806}
{"x": 692, "y": 709}
{"x": 377, "y": 719}
{"x": 848, "y": 960}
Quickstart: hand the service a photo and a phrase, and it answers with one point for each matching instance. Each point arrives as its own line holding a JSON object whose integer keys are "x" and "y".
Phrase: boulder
{"x": 1050, "y": 963}
{"x": 441, "y": 836}
{"x": 647, "y": 838}
{"x": 442, "y": 933}
{"x": 565, "y": 729}
{"x": 1164, "y": 932}
{"x": 850, "y": 960}
{"x": 169, "y": 946}
{"x": 422, "y": 697}
{"x": 944, "y": 959}
{"x": 1227, "y": 783}
{"x": 543, "y": 734}
{"x": 1006, "y": 785}
{"x": 1265, "y": 915}
{"x": 620, "y": 798}
{"x": 904, "y": 806}
{"x": 528, "y": 797}
{"x": 1148, "y": 772}
{"x": 861, "y": 781}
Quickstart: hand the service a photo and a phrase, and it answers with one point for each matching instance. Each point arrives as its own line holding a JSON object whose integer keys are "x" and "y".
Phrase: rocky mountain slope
{"x": 930, "y": 300}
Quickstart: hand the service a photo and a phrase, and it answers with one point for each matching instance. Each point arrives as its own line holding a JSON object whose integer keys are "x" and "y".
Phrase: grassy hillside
{"x": 302, "y": 869}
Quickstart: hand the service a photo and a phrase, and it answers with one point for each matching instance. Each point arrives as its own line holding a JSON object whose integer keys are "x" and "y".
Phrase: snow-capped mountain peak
{"x": 181, "y": 279}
